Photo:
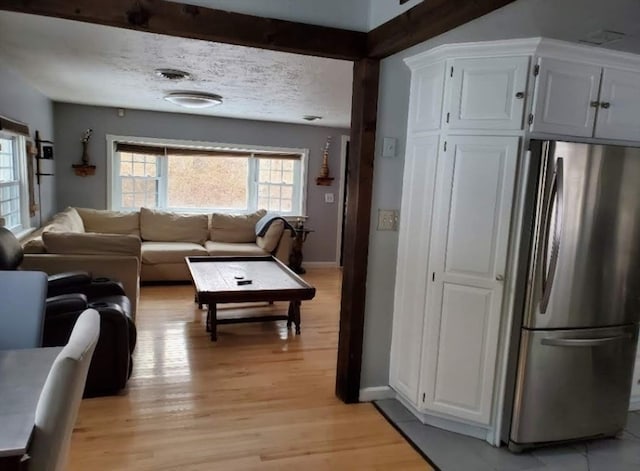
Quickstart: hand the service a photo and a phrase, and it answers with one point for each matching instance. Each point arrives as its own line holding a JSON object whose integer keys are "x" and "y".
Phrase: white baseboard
{"x": 319, "y": 264}
{"x": 451, "y": 425}
{"x": 376, "y": 393}
{"x": 634, "y": 403}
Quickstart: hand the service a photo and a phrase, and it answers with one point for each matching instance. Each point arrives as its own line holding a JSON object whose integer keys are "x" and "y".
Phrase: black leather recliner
{"x": 68, "y": 295}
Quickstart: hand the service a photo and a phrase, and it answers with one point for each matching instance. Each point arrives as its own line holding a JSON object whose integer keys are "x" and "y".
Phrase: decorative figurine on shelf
{"x": 84, "y": 169}
{"x": 85, "y": 143}
{"x": 324, "y": 179}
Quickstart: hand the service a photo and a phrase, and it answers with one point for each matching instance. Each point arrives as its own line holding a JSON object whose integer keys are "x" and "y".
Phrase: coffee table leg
{"x": 290, "y": 315}
{"x": 295, "y": 307}
{"x": 212, "y": 321}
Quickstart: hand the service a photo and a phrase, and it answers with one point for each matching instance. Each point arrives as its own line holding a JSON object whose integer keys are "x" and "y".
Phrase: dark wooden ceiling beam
{"x": 425, "y": 21}
{"x": 187, "y": 21}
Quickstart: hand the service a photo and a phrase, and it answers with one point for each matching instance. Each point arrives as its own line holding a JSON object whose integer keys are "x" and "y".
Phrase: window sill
{"x": 23, "y": 234}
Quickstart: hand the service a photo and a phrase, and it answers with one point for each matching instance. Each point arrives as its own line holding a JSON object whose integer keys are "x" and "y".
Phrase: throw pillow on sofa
{"x": 269, "y": 241}
{"x": 160, "y": 226}
{"x": 238, "y": 228}
{"x": 110, "y": 222}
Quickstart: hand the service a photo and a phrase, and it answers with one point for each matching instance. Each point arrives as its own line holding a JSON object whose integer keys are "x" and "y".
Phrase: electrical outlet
{"x": 328, "y": 198}
{"x": 387, "y": 220}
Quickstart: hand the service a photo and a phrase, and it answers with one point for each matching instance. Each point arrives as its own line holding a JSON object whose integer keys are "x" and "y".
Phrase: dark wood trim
{"x": 424, "y": 21}
{"x": 188, "y": 21}
{"x": 16, "y": 127}
{"x": 366, "y": 75}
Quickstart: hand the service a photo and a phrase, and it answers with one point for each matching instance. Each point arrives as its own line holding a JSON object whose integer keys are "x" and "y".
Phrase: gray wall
{"x": 21, "y": 102}
{"x": 73, "y": 120}
{"x": 559, "y": 19}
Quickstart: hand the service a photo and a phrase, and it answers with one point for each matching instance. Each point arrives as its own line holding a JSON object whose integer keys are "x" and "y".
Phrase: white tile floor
{"x": 453, "y": 452}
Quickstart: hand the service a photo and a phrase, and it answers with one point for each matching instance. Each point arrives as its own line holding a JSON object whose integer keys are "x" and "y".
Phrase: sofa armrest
{"x": 62, "y": 283}
{"x": 65, "y": 303}
{"x": 122, "y": 268}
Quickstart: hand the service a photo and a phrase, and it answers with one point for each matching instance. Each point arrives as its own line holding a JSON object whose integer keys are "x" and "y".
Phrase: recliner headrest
{"x": 11, "y": 253}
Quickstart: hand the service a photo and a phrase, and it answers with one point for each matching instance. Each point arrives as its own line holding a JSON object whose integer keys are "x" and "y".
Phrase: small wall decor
{"x": 324, "y": 179}
{"x": 84, "y": 169}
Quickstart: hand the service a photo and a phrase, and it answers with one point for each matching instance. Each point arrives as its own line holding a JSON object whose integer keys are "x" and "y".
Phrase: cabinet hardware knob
{"x": 499, "y": 278}
{"x": 520, "y": 95}
{"x": 595, "y": 104}
{"x": 605, "y": 105}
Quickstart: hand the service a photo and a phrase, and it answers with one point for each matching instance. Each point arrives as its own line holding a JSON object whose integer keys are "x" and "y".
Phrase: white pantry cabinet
{"x": 586, "y": 100}
{"x": 467, "y": 264}
{"x": 473, "y": 108}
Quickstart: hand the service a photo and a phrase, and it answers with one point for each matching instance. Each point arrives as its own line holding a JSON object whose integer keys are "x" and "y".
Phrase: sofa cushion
{"x": 269, "y": 241}
{"x": 35, "y": 245}
{"x": 170, "y": 252}
{"x": 226, "y": 248}
{"x": 159, "y": 226}
{"x": 91, "y": 243}
{"x": 110, "y": 222}
{"x": 235, "y": 228}
{"x": 65, "y": 221}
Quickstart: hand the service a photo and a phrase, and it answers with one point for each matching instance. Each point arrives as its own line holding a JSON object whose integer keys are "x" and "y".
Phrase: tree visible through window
{"x": 207, "y": 179}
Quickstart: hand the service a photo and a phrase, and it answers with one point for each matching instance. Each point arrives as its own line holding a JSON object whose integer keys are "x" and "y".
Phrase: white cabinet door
{"x": 488, "y": 93}
{"x": 474, "y": 197}
{"x": 566, "y": 97}
{"x": 427, "y": 90}
{"x": 411, "y": 270}
{"x": 619, "y": 112}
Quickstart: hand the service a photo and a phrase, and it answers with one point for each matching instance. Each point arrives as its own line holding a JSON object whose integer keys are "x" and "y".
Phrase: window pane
{"x": 207, "y": 182}
{"x": 126, "y": 168}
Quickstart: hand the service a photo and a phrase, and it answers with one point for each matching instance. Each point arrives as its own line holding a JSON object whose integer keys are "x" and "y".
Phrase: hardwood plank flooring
{"x": 261, "y": 398}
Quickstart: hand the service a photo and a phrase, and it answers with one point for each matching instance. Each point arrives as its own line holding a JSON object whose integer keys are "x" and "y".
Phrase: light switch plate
{"x": 328, "y": 198}
{"x": 388, "y": 220}
{"x": 389, "y": 147}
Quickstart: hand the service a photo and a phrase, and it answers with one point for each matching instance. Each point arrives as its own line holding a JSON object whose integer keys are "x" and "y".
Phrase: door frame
{"x": 344, "y": 141}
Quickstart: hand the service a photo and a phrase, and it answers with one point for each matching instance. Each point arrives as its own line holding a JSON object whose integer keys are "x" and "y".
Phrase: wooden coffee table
{"x": 219, "y": 280}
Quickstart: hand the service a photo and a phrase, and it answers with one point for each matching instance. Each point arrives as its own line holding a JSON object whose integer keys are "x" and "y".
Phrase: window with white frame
{"x": 13, "y": 183}
{"x": 200, "y": 177}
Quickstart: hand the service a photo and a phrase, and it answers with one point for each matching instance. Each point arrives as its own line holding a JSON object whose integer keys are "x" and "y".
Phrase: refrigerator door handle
{"x": 556, "y": 196}
{"x": 585, "y": 342}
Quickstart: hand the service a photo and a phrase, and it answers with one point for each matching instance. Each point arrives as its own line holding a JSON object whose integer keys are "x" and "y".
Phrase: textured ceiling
{"x": 97, "y": 65}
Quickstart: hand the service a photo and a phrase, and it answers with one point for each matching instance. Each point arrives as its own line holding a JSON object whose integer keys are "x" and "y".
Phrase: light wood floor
{"x": 261, "y": 398}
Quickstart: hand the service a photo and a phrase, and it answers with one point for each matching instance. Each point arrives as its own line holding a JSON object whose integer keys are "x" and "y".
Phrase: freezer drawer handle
{"x": 585, "y": 342}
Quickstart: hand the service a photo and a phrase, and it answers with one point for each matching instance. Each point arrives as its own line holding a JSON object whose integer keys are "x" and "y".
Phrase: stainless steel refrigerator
{"x": 580, "y": 293}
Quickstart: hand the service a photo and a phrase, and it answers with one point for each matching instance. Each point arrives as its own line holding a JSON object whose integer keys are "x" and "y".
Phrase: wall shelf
{"x": 44, "y": 151}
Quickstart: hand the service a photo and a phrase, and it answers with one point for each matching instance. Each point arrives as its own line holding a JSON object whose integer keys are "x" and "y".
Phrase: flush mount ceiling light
{"x": 311, "y": 117}
{"x": 194, "y": 99}
{"x": 173, "y": 74}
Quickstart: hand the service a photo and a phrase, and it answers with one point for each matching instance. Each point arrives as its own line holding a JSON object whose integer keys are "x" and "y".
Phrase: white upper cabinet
{"x": 427, "y": 90}
{"x": 619, "y": 110}
{"x": 487, "y": 93}
{"x": 566, "y": 98}
{"x": 474, "y": 198}
{"x": 411, "y": 271}
{"x": 587, "y": 101}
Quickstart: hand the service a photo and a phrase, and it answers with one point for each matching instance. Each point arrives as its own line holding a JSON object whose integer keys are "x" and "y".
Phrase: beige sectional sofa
{"x": 146, "y": 245}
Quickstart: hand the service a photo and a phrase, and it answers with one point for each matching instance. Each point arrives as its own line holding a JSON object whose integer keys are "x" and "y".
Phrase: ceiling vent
{"x": 173, "y": 74}
{"x": 602, "y": 37}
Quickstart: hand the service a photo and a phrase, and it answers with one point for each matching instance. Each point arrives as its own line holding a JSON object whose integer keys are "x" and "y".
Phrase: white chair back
{"x": 60, "y": 399}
